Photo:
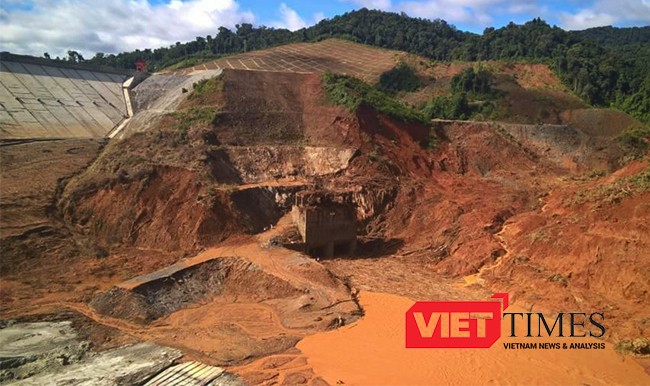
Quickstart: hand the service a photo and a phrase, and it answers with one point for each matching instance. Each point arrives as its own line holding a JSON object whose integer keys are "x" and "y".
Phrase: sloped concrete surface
{"x": 40, "y": 101}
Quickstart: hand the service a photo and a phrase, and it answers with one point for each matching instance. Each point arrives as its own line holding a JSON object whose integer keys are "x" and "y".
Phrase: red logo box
{"x": 455, "y": 324}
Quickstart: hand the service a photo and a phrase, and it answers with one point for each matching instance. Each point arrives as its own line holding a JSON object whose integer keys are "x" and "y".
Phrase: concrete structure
{"x": 327, "y": 222}
{"x": 194, "y": 374}
{"x": 53, "y": 101}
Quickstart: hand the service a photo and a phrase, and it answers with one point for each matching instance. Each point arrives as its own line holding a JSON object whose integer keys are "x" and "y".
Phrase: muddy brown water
{"x": 371, "y": 351}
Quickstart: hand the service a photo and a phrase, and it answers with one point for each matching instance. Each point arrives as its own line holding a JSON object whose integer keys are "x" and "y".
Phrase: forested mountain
{"x": 615, "y": 37}
{"x": 434, "y": 39}
{"x": 604, "y": 66}
{"x": 631, "y": 49}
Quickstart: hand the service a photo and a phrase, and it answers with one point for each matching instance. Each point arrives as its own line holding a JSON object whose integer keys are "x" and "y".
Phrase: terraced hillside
{"x": 333, "y": 55}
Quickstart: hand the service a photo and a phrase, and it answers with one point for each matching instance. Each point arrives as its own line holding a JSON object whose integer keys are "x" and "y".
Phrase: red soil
{"x": 591, "y": 255}
{"x": 483, "y": 203}
{"x": 165, "y": 212}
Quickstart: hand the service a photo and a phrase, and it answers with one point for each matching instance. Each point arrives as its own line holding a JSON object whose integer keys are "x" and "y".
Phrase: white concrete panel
{"x": 47, "y": 101}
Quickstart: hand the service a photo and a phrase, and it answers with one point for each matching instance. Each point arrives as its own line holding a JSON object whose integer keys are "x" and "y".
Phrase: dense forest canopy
{"x": 615, "y": 37}
{"x": 605, "y": 66}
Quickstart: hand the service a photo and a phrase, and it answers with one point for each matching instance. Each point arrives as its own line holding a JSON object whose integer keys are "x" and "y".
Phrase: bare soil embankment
{"x": 156, "y": 196}
{"x": 499, "y": 205}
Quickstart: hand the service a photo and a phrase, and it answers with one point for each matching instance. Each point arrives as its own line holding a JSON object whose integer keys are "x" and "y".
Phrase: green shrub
{"x": 472, "y": 82}
{"x": 471, "y": 96}
{"x": 616, "y": 191}
{"x": 639, "y": 346}
{"x": 206, "y": 86}
{"x": 431, "y": 142}
{"x": 400, "y": 78}
{"x": 193, "y": 116}
{"x": 351, "y": 92}
{"x": 635, "y": 137}
{"x": 448, "y": 107}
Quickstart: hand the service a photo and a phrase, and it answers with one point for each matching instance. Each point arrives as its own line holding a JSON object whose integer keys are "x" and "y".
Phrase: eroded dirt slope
{"x": 508, "y": 208}
{"x": 586, "y": 247}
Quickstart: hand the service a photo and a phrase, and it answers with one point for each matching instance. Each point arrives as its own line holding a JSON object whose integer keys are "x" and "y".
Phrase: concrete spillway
{"x": 41, "y": 101}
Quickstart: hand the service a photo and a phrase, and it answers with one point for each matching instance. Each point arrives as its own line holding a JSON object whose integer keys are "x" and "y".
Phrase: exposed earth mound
{"x": 160, "y": 297}
{"x": 179, "y": 233}
{"x": 29, "y": 228}
{"x": 569, "y": 249}
{"x": 199, "y": 175}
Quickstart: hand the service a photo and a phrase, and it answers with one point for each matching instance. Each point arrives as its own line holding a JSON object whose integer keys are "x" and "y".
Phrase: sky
{"x": 33, "y": 27}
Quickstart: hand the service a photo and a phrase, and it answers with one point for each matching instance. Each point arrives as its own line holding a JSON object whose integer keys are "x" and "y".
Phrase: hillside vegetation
{"x": 351, "y": 93}
{"x": 604, "y": 66}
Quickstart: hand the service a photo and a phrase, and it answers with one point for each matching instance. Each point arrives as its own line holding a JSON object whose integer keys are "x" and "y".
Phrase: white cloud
{"x": 604, "y": 12}
{"x": 18, "y": 2}
{"x": 584, "y": 19}
{"x": 384, "y": 5}
{"x": 110, "y": 26}
{"x": 473, "y": 12}
{"x": 484, "y": 13}
{"x": 290, "y": 19}
{"x": 91, "y": 26}
{"x": 532, "y": 9}
{"x": 318, "y": 16}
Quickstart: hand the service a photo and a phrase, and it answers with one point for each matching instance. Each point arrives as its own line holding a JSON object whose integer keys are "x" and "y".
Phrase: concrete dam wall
{"x": 43, "y": 101}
